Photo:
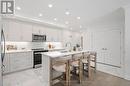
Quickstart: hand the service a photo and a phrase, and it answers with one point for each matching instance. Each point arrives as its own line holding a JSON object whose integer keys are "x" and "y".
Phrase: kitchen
{"x": 30, "y": 43}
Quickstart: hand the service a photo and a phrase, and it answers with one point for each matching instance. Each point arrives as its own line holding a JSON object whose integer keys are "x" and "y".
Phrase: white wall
{"x": 112, "y": 21}
{"x": 127, "y": 42}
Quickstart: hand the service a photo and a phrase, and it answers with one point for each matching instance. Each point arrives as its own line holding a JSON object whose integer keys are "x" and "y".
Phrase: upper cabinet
{"x": 22, "y": 31}
{"x": 26, "y": 32}
{"x": 53, "y": 34}
{"x": 38, "y": 29}
{"x": 71, "y": 37}
{"x": 17, "y": 31}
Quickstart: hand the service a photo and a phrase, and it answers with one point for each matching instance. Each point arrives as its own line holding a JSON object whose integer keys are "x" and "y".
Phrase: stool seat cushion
{"x": 92, "y": 64}
{"x": 60, "y": 68}
{"x": 75, "y": 63}
{"x": 84, "y": 61}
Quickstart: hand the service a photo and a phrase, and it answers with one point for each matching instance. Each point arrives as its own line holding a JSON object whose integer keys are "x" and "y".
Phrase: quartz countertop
{"x": 56, "y": 49}
{"x": 56, "y": 54}
{"x": 16, "y": 51}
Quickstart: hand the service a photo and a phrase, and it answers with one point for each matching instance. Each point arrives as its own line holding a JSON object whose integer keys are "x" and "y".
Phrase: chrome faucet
{"x": 68, "y": 43}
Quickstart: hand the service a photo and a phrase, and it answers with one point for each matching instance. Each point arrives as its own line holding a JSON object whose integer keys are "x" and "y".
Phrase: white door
{"x": 107, "y": 44}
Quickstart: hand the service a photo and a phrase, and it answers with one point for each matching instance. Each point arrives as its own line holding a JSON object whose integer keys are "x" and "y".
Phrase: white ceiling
{"x": 87, "y": 10}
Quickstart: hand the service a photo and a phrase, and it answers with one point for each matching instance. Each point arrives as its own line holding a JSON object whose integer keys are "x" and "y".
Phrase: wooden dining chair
{"x": 61, "y": 70}
{"x": 77, "y": 66}
{"x": 93, "y": 60}
{"x": 86, "y": 63}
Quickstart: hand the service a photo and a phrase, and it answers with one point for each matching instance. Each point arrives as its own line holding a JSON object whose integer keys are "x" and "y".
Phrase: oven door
{"x": 37, "y": 59}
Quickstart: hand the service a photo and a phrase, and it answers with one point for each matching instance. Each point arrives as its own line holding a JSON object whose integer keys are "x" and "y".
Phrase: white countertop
{"x": 56, "y": 54}
{"x": 56, "y": 49}
{"x": 16, "y": 51}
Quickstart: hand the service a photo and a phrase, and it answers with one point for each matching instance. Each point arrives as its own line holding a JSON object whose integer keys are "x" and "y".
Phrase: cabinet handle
{"x": 3, "y": 68}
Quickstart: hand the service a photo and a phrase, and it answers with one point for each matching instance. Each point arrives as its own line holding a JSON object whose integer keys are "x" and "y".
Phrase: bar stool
{"x": 93, "y": 59}
{"x": 86, "y": 63}
{"x": 76, "y": 65}
{"x": 61, "y": 66}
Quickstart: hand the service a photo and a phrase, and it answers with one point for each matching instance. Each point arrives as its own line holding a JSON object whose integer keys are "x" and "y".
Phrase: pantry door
{"x": 108, "y": 46}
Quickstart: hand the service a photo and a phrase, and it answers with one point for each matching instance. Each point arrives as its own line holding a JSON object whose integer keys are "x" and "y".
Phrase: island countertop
{"x": 56, "y": 54}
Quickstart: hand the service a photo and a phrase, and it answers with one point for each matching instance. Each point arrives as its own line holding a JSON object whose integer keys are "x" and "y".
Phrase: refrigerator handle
{"x": 2, "y": 33}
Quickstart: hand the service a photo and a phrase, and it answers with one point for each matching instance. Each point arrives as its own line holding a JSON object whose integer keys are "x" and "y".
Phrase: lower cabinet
{"x": 18, "y": 61}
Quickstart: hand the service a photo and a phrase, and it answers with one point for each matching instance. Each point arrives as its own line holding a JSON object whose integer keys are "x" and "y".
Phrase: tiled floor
{"x": 33, "y": 77}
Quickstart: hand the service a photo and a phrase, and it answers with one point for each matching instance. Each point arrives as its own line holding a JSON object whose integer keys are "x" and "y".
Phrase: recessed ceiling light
{"x": 67, "y": 12}
{"x": 66, "y": 22}
{"x": 80, "y": 26}
{"x": 40, "y": 14}
{"x": 78, "y": 17}
{"x": 55, "y": 19}
{"x": 50, "y": 5}
{"x": 18, "y": 8}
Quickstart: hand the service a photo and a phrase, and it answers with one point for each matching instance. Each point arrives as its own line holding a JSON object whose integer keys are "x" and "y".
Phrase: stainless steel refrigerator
{"x": 2, "y": 52}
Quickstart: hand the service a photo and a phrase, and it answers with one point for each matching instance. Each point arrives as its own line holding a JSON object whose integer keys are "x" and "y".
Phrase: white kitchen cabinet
{"x": 38, "y": 30}
{"x": 26, "y": 32}
{"x": 76, "y": 38}
{"x": 15, "y": 29}
{"x": 42, "y": 30}
{"x": 35, "y": 29}
{"x": 66, "y": 37}
{"x": 18, "y": 61}
{"x": 6, "y": 64}
{"x": 108, "y": 46}
{"x": 50, "y": 34}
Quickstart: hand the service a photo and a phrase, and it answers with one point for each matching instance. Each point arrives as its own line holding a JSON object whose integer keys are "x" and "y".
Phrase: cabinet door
{"x": 15, "y": 62}
{"x": 27, "y": 60}
{"x": 76, "y": 38}
{"x": 6, "y": 64}
{"x": 26, "y": 32}
{"x": 107, "y": 44}
{"x": 49, "y": 33}
{"x": 14, "y": 31}
{"x": 20, "y": 61}
{"x": 53, "y": 35}
{"x": 67, "y": 37}
{"x": 35, "y": 29}
{"x": 42, "y": 30}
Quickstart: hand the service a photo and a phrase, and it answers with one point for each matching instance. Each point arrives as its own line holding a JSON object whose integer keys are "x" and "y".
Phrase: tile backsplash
{"x": 33, "y": 45}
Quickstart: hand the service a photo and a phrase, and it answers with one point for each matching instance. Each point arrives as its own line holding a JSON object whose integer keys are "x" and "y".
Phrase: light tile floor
{"x": 33, "y": 77}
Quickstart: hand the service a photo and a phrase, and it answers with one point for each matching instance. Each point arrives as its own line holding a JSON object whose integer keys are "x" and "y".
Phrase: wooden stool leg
{"x": 67, "y": 74}
{"x": 80, "y": 72}
{"x": 89, "y": 69}
{"x": 69, "y": 77}
{"x": 66, "y": 80}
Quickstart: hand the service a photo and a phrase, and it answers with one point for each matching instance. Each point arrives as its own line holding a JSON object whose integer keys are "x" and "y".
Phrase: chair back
{"x": 86, "y": 55}
{"x": 61, "y": 60}
{"x": 77, "y": 56}
{"x": 93, "y": 55}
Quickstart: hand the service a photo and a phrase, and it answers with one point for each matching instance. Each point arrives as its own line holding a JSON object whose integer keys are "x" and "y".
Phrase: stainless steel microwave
{"x": 38, "y": 38}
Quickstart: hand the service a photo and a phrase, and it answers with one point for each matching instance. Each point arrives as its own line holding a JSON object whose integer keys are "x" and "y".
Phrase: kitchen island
{"x": 47, "y": 61}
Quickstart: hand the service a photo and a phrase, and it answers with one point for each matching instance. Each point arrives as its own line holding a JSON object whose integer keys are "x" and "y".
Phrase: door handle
{"x": 3, "y": 68}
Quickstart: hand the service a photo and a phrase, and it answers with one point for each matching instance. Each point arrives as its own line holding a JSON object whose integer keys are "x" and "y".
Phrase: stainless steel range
{"x": 37, "y": 57}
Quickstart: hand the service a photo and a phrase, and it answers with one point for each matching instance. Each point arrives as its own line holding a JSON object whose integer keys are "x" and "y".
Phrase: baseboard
{"x": 111, "y": 70}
